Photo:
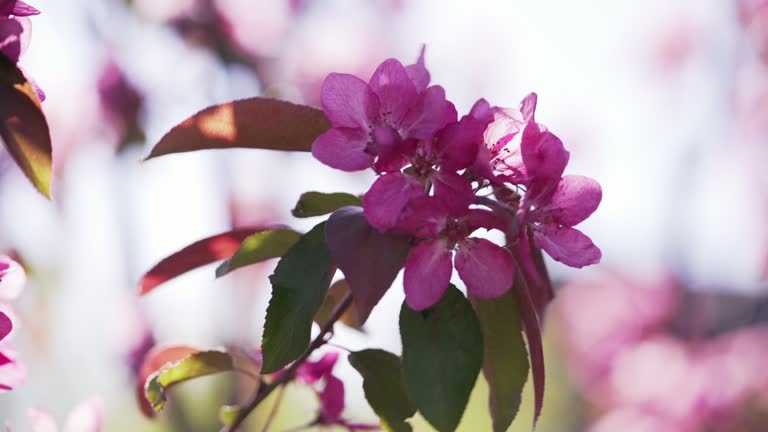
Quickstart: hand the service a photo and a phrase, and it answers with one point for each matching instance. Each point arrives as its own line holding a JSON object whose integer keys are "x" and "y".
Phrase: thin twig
{"x": 288, "y": 374}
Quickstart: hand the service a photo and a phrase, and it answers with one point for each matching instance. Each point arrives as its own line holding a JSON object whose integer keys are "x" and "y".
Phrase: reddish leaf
{"x": 532, "y": 330}
{"x": 198, "y": 254}
{"x": 533, "y": 267}
{"x": 258, "y": 123}
{"x": 23, "y": 127}
{"x": 369, "y": 259}
{"x": 153, "y": 362}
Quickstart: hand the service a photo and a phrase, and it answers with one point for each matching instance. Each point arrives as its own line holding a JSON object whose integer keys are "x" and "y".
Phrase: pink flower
{"x": 331, "y": 395}
{"x": 12, "y": 281}
{"x": 86, "y": 417}
{"x": 552, "y": 207}
{"x": 6, "y": 325}
{"x": 15, "y": 35}
{"x": 433, "y": 163}
{"x": 16, "y": 8}
{"x": 376, "y": 118}
{"x": 487, "y": 269}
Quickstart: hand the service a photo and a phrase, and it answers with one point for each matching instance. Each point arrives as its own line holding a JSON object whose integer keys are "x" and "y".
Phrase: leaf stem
{"x": 289, "y": 373}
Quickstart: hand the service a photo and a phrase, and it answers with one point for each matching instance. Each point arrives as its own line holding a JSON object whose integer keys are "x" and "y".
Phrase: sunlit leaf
{"x": 505, "y": 360}
{"x": 369, "y": 259}
{"x": 193, "y": 366}
{"x": 23, "y": 127}
{"x": 256, "y": 123}
{"x": 155, "y": 360}
{"x": 442, "y": 356}
{"x": 335, "y": 295}
{"x": 260, "y": 247}
{"x": 299, "y": 285}
{"x": 318, "y": 203}
{"x": 384, "y": 386}
{"x": 198, "y": 254}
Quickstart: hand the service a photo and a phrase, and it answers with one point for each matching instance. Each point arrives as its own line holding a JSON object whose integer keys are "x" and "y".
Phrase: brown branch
{"x": 289, "y": 373}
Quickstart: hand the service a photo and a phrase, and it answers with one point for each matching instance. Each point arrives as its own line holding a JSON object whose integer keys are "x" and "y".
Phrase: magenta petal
{"x": 12, "y": 373}
{"x": 41, "y": 421}
{"x": 574, "y": 199}
{"x": 543, "y": 153}
{"x": 507, "y": 122}
{"x": 385, "y": 200}
{"x": 11, "y": 30}
{"x": 479, "y": 218}
{"x": 311, "y": 372}
{"x": 427, "y": 273}
{"x": 567, "y": 245}
{"x": 418, "y": 72}
{"x": 22, "y": 9}
{"x": 487, "y": 269}
{"x": 6, "y": 325}
{"x": 430, "y": 113}
{"x": 424, "y": 217}
{"x": 12, "y": 279}
{"x": 396, "y": 92}
{"x": 482, "y": 111}
{"x": 86, "y": 417}
{"x": 332, "y": 400}
{"x": 453, "y": 190}
{"x": 343, "y": 148}
{"x": 528, "y": 107}
{"x": 458, "y": 143}
{"x": 348, "y": 101}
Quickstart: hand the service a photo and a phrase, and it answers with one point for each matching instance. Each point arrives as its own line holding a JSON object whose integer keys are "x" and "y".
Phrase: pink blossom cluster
{"x": 640, "y": 376}
{"x": 438, "y": 175}
{"x": 12, "y": 281}
{"x": 16, "y": 33}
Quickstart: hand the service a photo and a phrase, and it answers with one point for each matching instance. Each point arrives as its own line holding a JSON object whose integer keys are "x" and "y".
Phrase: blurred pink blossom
{"x": 86, "y": 417}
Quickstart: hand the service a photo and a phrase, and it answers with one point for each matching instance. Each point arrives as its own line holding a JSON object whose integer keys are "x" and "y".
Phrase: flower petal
{"x": 6, "y": 325}
{"x": 41, "y": 421}
{"x": 332, "y": 400}
{"x": 418, "y": 72}
{"x": 343, "y": 148}
{"x": 453, "y": 190}
{"x": 543, "y": 153}
{"x": 458, "y": 142}
{"x": 528, "y": 107}
{"x": 487, "y": 269}
{"x": 396, "y": 92}
{"x": 479, "y": 218}
{"x": 12, "y": 279}
{"x": 86, "y": 417}
{"x": 424, "y": 217}
{"x": 348, "y": 101}
{"x": 430, "y": 113}
{"x": 311, "y": 372}
{"x": 11, "y": 41}
{"x": 427, "y": 273}
{"x": 567, "y": 245}
{"x": 574, "y": 199}
{"x": 385, "y": 200}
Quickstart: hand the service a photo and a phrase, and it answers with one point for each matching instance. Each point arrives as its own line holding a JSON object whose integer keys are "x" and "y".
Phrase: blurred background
{"x": 664, "y": 103}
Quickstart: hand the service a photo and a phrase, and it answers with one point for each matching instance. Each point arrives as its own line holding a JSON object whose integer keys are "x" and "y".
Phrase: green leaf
{"x": 299, "y": 285}
{"x": 335, "y": 295}
{"x": 319, "y": 203}
{"x": 260, "y": 247}
{"x": 442, "y": 356}
{"x": 23, "y": 127}
{"x": 193, "y": 366}
{"x": 384, "y": 386}
{"x": 256, "y": 123}
{"x": 505, "y": 361}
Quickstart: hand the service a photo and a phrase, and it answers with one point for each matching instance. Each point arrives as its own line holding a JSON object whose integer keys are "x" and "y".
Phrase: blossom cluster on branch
{"x": 437, "y": 172}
